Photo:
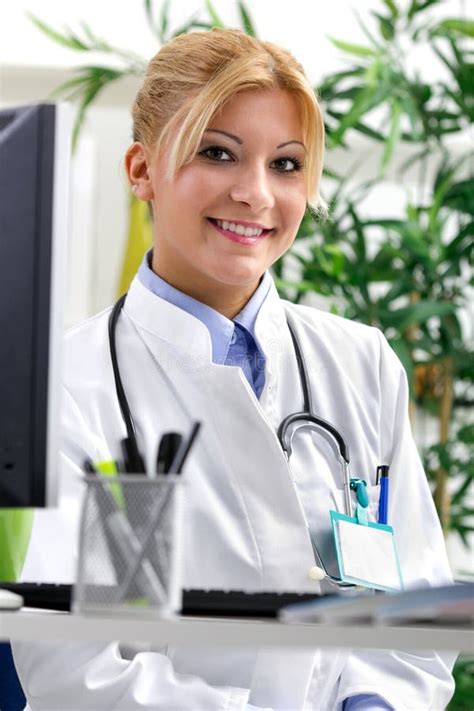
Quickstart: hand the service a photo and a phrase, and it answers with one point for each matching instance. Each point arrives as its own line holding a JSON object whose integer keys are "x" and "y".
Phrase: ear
{"x": 137, "y": 161}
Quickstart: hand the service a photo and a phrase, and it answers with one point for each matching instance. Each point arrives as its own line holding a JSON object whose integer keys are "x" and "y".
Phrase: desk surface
{"x": 198, "y": 631}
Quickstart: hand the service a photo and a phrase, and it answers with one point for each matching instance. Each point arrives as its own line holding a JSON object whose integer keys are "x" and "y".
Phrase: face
{"x": 235, "y": 208}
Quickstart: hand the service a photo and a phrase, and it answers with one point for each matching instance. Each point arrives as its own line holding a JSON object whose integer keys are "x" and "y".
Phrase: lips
{"x": 253, "y": 234}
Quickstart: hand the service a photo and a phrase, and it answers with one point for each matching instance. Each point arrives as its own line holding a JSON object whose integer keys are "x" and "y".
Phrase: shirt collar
{"x": 220, "y": 328}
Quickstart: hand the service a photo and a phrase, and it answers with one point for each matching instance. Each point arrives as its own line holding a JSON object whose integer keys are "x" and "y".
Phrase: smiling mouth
{"x": 238, "y": 229}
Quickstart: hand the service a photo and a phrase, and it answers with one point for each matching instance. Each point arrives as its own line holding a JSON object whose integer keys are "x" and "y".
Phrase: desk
{"x": 199, "y": 631}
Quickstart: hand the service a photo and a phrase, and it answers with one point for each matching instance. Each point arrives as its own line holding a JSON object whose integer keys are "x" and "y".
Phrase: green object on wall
{"x": 139, "y": 240}
{"x": 15, "y": 532}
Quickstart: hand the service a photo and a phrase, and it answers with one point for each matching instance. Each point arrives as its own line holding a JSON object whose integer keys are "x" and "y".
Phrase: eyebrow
{"x": 239, "y": 140}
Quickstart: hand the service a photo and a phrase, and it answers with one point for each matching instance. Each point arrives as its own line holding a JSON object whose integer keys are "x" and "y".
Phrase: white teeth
{"x": 239, "y": 229}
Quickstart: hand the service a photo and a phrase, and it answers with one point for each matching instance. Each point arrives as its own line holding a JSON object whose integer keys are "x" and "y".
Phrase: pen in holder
{"x": 130, "y": 545}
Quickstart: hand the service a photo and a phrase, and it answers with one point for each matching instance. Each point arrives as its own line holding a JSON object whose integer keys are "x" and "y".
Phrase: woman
{"x": 228, "y": 152}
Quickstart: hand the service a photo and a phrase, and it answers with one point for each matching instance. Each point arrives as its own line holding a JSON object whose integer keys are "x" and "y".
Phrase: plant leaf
{"x": 356, "y": 49}
{"x": 247, "y": 23}
{"x": 149, "y": 13}
{"x": 368, "y": 98}
{"x": 416, "y": 8}
{"x": 392, "y": 7}
{"x": 215, "y": 19}
{"x": 367, "y": 33}
{"x": 66, "y": 40}
{"x": 463, "y": 27}
{"x": 164, "y": 20}
{"x": 418, "y": 313}
{"x": 393, "y": 136}
{"x": 387, "y": 30}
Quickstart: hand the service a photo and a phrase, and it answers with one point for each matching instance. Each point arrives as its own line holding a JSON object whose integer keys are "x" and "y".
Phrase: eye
{"x": 288, "y": 164}
{"x": 216, "y": 153}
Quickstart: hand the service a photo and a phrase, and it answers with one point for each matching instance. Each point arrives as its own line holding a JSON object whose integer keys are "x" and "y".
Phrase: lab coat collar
{"x": 187, "y": 333}
{"x": 167, "y": 322}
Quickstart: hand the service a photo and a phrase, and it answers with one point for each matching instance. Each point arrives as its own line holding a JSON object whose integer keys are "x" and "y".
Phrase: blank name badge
{"x": 366, "y": 553}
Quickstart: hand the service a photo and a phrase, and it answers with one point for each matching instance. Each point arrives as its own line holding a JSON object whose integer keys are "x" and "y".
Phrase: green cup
{"x": 15, "y": 532}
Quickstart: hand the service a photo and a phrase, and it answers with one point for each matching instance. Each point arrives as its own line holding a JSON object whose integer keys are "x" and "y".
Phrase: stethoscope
{"x": 286, "y": 431}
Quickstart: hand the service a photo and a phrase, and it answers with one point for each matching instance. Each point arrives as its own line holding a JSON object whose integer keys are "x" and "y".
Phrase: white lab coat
{"x": 246, "y": 510}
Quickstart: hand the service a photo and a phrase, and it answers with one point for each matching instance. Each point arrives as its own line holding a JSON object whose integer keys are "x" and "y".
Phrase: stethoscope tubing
{"x": 289, "y": 425}
{"x": 306, "y": 418}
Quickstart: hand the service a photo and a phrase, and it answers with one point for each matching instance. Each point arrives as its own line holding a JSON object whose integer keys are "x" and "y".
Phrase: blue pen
{"x": 382, "y": 477}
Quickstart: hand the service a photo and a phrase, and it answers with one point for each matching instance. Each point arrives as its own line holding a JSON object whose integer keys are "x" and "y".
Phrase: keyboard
{"x": 200, "y": 603}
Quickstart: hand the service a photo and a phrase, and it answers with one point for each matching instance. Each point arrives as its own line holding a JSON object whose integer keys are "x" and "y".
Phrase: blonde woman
{"x": 228, "y": 152}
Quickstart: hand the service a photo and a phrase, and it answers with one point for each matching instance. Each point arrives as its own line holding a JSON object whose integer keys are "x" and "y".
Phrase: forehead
{"x": 274, "y": 111}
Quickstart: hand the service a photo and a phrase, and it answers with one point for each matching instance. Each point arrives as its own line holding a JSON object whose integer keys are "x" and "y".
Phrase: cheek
{"x": 293, "y": 206}
{"x": 198, "y": 188}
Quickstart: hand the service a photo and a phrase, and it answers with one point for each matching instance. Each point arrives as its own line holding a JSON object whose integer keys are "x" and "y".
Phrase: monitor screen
{"x": 34, "y": 177}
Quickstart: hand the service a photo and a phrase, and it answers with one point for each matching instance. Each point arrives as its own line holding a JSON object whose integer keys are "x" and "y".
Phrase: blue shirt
{"x": 234, "y": 343}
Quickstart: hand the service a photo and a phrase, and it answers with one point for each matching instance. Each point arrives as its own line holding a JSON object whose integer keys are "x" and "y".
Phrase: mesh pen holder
{"x": 130, "y": 546}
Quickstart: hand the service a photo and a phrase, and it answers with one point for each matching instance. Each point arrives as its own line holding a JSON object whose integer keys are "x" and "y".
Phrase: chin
{"x": 243, "y": 277}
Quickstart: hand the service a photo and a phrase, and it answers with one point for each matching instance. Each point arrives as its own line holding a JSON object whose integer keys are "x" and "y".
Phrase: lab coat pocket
{"x": 373, "y": 493}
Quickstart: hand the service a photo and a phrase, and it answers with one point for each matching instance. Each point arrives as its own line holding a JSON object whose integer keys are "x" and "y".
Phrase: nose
{"x": 253, "y": 187}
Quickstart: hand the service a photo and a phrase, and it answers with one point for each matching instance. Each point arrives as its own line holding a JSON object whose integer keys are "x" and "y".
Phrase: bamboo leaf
{"x": 216, "y": 20}
{"x": 362, "y": 128}
{"x": 416, "y": 8}
{"x": 247, "y": 23}
{"x": 149, "y": 13}
{"x": 356, "y": 49}
{"x": 164, "y": 20}
{"x": 66, "y": 40}
{"x": 69, "y": 88}
{"x": 90, "y": 82}
{"x": 392, "y": 7}
{"x": 367, "y": 33}
{"x": 460, "y": 196}
{"x": 393, "y": 136}
{"x": 418, "y": 313}
{"x": 460, "y": 243}
{"x": 386, "y": 27}
{"x": 367, "y": 99}
{"x": 444, "y": 59}
{"x": 414, "y": 159}
{"x": 337, "y": 77}
{"x": 463, "y": 27}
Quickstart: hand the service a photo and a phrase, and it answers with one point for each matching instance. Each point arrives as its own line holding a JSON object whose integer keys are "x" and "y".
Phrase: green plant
{"x": 409, "y": 276}
{"x": 463, "y": 699}
{"x": 88, "y": 81}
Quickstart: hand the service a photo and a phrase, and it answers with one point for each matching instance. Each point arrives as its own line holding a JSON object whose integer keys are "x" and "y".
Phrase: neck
{"x": 228, "y": 300}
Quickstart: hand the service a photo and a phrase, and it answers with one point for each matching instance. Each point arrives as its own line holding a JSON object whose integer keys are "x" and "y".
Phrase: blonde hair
{"x": 191, "y": 77}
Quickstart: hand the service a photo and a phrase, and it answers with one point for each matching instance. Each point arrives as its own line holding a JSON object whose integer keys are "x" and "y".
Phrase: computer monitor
{"x": 34, "y": 178}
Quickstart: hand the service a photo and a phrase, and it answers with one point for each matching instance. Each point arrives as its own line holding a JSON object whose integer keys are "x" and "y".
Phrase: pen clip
{"x": 382, "y": 471}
